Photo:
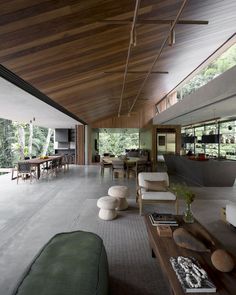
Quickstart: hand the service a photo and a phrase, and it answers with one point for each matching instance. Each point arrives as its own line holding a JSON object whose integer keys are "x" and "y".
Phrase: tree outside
{"x": 223, "y": 63}
{"x": 18, "y": 140}
{"x": 7, "y": 139}
{"x": 116, "y": 141}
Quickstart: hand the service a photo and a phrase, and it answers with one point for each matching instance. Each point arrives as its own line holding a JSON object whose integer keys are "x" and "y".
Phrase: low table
{"x": 163, "y": 248}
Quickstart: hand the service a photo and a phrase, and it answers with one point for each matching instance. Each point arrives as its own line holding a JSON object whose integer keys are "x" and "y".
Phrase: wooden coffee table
{"x": 163, "y": 248}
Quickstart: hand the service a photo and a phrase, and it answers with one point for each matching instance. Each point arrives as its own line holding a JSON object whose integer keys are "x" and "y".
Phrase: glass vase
{"x": 188, "y": 215}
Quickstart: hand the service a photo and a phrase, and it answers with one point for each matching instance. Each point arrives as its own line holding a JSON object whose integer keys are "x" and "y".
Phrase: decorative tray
{"x": 192, "y": 277}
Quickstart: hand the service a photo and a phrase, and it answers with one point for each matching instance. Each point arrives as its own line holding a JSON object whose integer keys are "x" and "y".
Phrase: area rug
{"x": 132, "y": 269}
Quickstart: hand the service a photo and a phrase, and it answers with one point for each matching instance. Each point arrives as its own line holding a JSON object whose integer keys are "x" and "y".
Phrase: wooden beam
{"x": 132, "y": 42}
{"x": 135, "y": 72}
{"x": 171, "y": 40}
{"x": 155, "y": 22}
{"x": 184, "y": 3}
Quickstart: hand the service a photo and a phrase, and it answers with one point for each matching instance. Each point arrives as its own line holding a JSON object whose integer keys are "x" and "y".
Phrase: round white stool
{"x": 120, "y": 192}
{"x": 107, "y": 207}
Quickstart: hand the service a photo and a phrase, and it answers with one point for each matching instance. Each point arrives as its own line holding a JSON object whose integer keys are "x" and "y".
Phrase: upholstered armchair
{"x": 153, "y": 187}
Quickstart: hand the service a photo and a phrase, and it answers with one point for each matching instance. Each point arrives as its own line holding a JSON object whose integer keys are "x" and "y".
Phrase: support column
{"x": 80, "y": 144}
{"x": 86, "y": 145}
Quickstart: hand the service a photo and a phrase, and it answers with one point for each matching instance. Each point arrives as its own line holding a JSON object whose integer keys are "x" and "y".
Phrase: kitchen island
{"x": 209, "y": 172}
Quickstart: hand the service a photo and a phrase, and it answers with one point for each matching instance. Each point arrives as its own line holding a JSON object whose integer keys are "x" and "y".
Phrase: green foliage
{"x": 116, "y": 142}
{"x": 6, "y": 140}
{"x": 9, "y": 145}
{"x": 182, "y": 190}
{"x": 226, "y": 61}
{"x": 39, "y": 138}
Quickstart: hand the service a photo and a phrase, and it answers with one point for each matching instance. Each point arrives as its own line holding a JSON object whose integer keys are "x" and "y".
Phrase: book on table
{"x": 163, "y": 219}
{"x": 154, "y": 223}
{"x": 205, "y": 285}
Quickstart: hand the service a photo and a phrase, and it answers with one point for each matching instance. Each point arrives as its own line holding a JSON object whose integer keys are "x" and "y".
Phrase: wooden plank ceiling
{"x": 63, "y": 48}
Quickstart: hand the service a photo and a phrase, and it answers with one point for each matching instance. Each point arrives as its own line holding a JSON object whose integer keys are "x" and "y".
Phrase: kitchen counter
{"x": 214, "y": 172}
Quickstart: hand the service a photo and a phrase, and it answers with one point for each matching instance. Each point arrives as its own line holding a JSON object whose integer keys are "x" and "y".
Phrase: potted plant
{"x": 182, "y": 190}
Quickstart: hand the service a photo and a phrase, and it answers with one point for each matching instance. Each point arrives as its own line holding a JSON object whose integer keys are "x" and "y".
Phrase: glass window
{"x": 228, "y": 140}
{"x": 215, "y": 140}
{"x": 220, "y": 65}
{"x": 116, "y": 141}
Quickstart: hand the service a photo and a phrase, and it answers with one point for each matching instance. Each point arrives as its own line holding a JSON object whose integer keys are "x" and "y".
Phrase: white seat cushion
{"x": 165, "y": 196}
{"x": 118, "y": 191}
{"x": 231, "y": 213}
{"x": 154, "y": 176}
{"x": 107, "y": 203}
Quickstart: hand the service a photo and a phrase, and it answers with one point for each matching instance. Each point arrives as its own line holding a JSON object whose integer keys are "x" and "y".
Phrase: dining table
{"x": 127, "y": 161}
{"x": 37, "y": 162}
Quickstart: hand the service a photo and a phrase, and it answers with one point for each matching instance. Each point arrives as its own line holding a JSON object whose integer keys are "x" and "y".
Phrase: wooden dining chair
{"x": 65, "y": 162}
{"x": 118, "y": 166}
{"x": 139, "y": 166}
{"x": 25, "y": 170}
{"x": 104, "y": 165}
{"x": 51, "y": 167}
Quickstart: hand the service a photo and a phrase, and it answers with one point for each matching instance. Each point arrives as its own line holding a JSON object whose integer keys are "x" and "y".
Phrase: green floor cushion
{"x": 72, "y": 263}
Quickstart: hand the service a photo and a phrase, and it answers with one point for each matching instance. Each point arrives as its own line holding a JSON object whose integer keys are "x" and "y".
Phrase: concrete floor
{"x": 30, "y": 214}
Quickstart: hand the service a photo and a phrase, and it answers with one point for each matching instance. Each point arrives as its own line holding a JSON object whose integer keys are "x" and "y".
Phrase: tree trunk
{"x": 30, "y": 138}
{"x": 21, "y": 140}
{"x": 45, "y": 148}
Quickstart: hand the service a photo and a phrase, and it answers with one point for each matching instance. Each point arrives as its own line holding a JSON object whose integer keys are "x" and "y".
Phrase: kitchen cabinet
{"x": 215, "y": 140}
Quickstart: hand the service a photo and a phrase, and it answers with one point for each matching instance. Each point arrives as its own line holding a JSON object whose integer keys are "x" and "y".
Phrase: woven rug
{"x": 132, "y": 269}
